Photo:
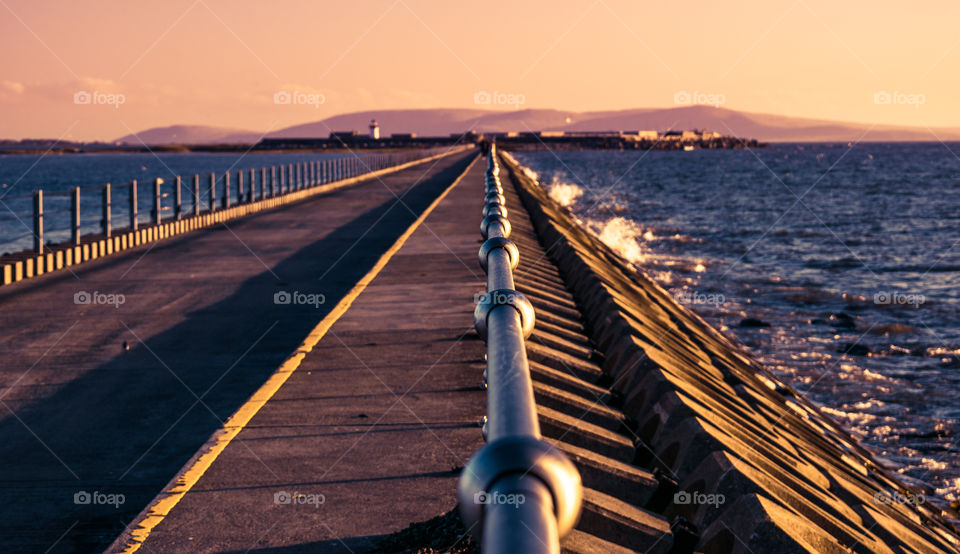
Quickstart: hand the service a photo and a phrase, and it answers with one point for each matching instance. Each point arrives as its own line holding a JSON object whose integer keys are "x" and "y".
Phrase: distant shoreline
{"x": 249, "y": 148}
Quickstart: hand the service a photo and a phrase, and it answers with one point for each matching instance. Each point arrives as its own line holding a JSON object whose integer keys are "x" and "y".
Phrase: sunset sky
{"x": 220, "y": 62}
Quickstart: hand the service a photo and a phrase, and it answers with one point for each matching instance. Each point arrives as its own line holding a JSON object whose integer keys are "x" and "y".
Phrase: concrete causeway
{"x": 234, "y": 423}
{"x": 80, "y": 413}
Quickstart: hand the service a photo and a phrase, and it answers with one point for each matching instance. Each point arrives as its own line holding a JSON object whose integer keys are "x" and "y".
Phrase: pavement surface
{"x": 101, "y": 404}
{"x": 371, "y": 431}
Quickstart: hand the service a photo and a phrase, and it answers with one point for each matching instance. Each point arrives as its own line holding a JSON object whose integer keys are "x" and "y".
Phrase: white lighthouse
{"x": 374, "y": 129}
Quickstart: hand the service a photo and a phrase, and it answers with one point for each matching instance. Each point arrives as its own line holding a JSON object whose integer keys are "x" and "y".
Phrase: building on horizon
{"x": 346, "y": 136}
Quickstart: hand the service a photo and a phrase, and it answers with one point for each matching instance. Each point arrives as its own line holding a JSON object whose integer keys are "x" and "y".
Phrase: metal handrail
{"x": 518, "y": 493}
{"x": 293, "y": 177}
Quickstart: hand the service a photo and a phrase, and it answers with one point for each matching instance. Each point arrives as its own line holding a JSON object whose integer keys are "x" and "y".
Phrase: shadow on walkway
{"x": 127, "y": 426}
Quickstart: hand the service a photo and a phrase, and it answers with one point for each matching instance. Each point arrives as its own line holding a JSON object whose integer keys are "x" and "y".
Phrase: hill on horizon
{"x": 443, "y": 122}
{"x": 190, "y": 134}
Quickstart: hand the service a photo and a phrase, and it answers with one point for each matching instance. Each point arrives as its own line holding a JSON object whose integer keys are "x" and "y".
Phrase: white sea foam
{"x": 622, "y": 235}
{"x": 565, "y": 194}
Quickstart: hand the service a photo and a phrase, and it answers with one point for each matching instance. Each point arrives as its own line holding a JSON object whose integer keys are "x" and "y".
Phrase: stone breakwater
{"x": 758, "y": 468}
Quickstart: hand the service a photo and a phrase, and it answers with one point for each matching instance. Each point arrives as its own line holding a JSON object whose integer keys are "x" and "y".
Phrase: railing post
{"x": 157, "y": 205}
{"x": 38, "y": 221}
{"x": 75, "y": 216}
{"x": 253, "y": 186}
{"x": 177, "y": 198}
{"x": 134, "y": 223}
{"x": 263, "y": 183}
{"x": 105, "y": 222}
{"x": 241, "y": 196}
{"x": 196, "y": 194}
{"x": 291, "y": 179}
{"x": 226, "y": 189}
{"x": 273, "y": 181}
{"x": 300, "y": 176}
{"x": 213, "y": 192}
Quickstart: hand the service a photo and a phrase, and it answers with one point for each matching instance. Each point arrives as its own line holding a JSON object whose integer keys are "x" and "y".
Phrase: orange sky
{"x": 220, "y": 62}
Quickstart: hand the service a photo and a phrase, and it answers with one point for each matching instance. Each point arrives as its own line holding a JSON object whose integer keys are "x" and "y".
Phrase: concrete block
{"x": 589, "y": 410}
{"x": 613, "y": 477}
{"x": 624, "y": 524}
{"x": 560, "y": 426}
{"x": 757, "y": 524}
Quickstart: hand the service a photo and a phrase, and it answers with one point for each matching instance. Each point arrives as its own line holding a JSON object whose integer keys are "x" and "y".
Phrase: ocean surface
{"x": 21, "y": 174}
{"x": 837, "y": 265}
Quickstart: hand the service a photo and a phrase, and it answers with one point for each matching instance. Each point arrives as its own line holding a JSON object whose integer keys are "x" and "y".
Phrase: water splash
{"x": 565, "y": 194}
{"x": 622, "y": 235}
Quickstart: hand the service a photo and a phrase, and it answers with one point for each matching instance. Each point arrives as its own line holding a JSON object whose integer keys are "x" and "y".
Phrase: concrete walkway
{"x": 372, "y": 429}
{"x": 82, "y": 413}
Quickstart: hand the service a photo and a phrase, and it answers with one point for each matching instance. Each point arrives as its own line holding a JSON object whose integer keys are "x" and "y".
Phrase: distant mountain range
{"x": 191, "y": 134}
{"x": 441, "y": 122}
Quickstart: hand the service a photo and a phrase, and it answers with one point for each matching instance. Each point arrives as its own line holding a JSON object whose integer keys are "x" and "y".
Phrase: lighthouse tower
{"x": 374, "y": 129}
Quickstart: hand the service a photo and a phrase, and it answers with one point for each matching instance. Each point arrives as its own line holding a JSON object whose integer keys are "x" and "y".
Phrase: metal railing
{"x": 234, "y": 187}
{"x": 518, "y": 493}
